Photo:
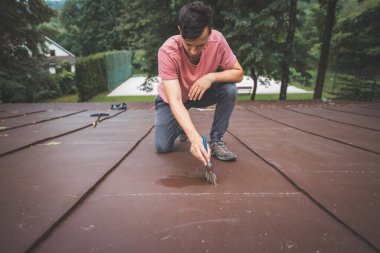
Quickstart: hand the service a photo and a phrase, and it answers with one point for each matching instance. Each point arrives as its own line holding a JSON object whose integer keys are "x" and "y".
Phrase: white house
{"x": 58, "y": 54}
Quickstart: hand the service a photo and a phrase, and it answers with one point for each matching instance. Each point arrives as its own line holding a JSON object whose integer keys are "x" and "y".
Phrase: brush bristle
{"x": 211, "y": 177}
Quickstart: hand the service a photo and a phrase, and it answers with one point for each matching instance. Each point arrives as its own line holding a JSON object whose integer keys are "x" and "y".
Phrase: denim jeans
{"x": 167, "y": 129}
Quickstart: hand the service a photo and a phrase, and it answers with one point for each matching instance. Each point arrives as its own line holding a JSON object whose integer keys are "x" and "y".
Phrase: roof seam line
{"x": 361, "y": 114}
{"x": 344, "y": 123}
{"x": 51, "y": 229}
{"x": 303, "y": 191}
{"x": 53, "y": 137}
{"x": 41, "y": 121}
{"x": 315, "y": 134}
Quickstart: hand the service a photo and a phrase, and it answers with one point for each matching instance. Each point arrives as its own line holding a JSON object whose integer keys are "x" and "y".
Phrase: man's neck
{"x": 193, "y": 61}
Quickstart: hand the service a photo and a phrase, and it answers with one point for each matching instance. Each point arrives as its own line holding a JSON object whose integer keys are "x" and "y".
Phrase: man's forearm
{"x": 183, "y": 118}
{"x": 228, "y": 75}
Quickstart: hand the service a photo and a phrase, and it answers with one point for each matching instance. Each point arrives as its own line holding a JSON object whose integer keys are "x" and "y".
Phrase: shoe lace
{"x": 222, "y": 144}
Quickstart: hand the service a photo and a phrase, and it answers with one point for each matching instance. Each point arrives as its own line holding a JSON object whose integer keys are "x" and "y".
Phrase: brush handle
{"x": 204, "y": 141}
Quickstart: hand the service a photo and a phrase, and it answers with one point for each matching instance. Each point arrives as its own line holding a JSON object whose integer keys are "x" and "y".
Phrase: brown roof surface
{"x": 307, "y": 179}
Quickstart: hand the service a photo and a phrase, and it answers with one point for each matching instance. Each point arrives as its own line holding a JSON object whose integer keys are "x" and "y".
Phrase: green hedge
{"x": 90, "y": 76}
{"x": 102, "y": 71}
{"x": 118, "y": 67}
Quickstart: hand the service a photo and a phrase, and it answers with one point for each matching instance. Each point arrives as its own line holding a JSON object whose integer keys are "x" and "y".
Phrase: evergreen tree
{"x": 256, "y": 32}
{"x": 21, "y": 72}
{"x": 307, "y": 40}
{"x": 151, "y": 23}
{"x": 148, "y": 26}
{"x": 90, "y": 25}
{"x": 356, "y": 50}
{"x": 288, "y": 48}
{"x": 326, "y": 39}
{"x": 356, "y": 43}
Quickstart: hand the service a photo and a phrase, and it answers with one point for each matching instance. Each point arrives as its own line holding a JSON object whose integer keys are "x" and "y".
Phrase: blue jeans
{"x": 167, "y": 129}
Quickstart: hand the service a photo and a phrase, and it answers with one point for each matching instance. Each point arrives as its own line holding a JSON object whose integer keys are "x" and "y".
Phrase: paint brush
{"x": 210, "y": 175}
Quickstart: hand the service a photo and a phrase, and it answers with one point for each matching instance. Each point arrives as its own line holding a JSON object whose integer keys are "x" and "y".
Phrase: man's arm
{"x": 234, "y": 75}
{"x": 173, "y": 94}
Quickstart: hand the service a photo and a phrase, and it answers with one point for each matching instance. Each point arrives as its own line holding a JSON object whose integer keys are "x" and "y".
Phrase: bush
{"x": 302, "y": 78}
{"x": 138, "y": 61}
{"x": 359, "y": 88}
{"x": 101, "y": 72}
{"x": 64, "y": 66}
{"x": 45, "y": 86}
{"x": 66, "y": 82}
{"x": 11, "y": 91}
{"x": 90, "y": 78}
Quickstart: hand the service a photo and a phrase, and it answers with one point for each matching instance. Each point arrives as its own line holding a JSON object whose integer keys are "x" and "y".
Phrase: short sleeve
{"x": 167, "y": 68}
{"x": 228, "y": 58}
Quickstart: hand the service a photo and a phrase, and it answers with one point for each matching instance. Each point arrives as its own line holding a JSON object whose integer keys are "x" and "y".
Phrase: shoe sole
{"x": 224, "y": 159}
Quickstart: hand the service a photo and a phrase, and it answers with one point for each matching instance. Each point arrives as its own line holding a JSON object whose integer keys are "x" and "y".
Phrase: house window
{"x": 52, "y": 52}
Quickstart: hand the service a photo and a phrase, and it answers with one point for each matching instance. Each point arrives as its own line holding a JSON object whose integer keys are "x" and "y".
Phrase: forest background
{"x": 329, "y": 46}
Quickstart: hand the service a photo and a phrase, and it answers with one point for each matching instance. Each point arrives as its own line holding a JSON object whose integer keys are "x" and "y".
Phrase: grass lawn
{"x": 289, "y": 96}
{"x": 102, "y": 97}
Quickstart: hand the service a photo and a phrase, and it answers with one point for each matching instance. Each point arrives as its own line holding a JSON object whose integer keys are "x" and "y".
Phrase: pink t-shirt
{"x": 173, "y": 63}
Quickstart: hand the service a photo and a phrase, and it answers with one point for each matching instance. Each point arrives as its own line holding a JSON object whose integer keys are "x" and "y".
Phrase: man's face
{"x": 193, "y": 48}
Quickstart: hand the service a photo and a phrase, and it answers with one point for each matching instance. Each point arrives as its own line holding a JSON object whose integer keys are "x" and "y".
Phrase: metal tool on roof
{"x": 99, "y": 115}
{"x": 210, "y": 175}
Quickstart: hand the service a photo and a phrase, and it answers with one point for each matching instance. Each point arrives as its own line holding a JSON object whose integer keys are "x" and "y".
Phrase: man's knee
{"x": 230, "y": 90}
{"x": 163, "y": 147}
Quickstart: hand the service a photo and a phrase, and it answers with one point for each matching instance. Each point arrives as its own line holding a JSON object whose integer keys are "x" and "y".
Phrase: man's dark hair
{"x": 193, "y": 18}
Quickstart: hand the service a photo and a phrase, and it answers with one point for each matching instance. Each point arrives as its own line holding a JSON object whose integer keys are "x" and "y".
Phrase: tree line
{"x": 292, "y": 41}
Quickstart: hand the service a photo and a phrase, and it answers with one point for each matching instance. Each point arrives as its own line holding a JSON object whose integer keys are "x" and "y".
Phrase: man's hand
{"x": 198, "y": 151}
{"x": 200, "y": 87}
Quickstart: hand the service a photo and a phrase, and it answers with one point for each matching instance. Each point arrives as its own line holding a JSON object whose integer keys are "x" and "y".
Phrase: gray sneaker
{"x": 220, "y": 150}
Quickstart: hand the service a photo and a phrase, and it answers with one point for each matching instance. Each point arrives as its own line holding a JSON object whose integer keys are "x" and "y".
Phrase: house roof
{"x": 306, "y": 180}
{"x": 59, "y": 46}
{"x": 56, "y": 59}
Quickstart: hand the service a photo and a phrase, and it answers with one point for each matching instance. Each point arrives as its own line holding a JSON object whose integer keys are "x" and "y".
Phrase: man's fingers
{"x": 198, "y": 153}
{"x": 201, "y": 157}
{"x": 196, "y": 92}
{"x": 206, "y": 154}
{"x": 191, "y": 92}
{"x": 196, "y": 95}
{"x": 201, "y": 95}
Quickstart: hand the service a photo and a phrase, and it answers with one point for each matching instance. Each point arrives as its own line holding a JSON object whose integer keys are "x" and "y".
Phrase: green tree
{"x": 356, "y": 49}
{"x": 288, "y": 48}
{"x": 22, "y": 76}
{"x": 147, "y": 28}
{"x": 90, "y": 25}
{"x": 356, "y": 44}
{"x": 307, "y": 40}
{"x": 326, "y": 39}
{"x": 256, "y": 32}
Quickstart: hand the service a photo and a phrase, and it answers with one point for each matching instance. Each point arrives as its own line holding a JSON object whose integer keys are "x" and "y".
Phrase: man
{"x": 187, "y": 65}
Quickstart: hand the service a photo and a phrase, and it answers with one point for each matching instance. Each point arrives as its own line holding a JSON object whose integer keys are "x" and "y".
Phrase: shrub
{"x": 359, "y": 88}
{"x": 66, "y": 82}
{"x": 90, "y": 78}
{"x": 100, "y": 72}
{"x": 43, "y": 87}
